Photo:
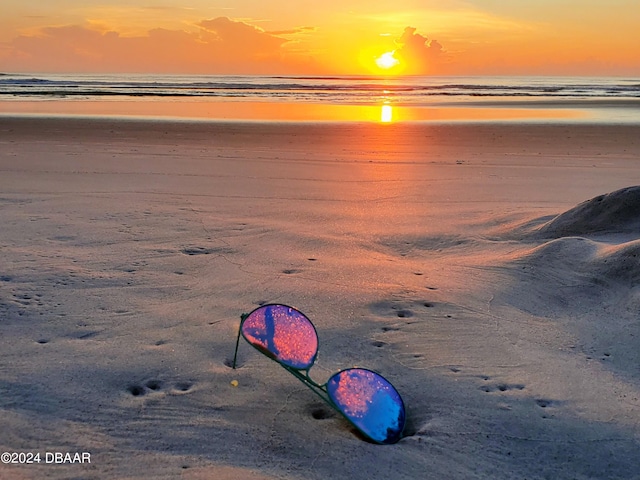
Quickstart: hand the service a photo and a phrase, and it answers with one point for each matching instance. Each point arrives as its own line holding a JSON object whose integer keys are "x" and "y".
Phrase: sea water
{"x": 409, "y": 98}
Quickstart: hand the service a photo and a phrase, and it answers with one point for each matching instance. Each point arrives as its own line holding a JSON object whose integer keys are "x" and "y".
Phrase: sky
{"x": 322, "y": 37}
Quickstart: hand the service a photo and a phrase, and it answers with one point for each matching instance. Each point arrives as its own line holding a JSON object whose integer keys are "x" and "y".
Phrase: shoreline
{"x": 587, "y": 111}
{"x": 91, "y": 120}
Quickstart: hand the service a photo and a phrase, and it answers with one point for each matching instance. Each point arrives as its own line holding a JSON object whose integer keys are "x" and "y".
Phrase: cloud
{"x": 241, "y": 38}
{"x": 219, "y": 45}
{"x": 418, "y": 53}
{"x": 293, "y": 31}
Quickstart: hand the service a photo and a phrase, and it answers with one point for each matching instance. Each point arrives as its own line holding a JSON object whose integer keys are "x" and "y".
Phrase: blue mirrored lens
{"x": 370, "y": 402}
{"x": 282, "y": 333}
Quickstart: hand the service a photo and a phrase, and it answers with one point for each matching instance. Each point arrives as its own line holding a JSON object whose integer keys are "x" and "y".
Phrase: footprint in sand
{"x": 291, "y": 271}
{"x": 182, "y": 387}
{"x": 155, "y": 385}
{"x": 23, "y": 298}
{"x": 545, "y": 404}
{"x": 400, "y": 309}
{"x": 390, "y": 329}
{"x": 196, "y": 251}
{"x": 136, "y": 390}
{"x": 501, "y": 387}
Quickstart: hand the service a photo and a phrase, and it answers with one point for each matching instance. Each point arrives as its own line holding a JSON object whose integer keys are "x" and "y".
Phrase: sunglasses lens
{"x": 371, "y": 403}
{"x": 283, "y": 334}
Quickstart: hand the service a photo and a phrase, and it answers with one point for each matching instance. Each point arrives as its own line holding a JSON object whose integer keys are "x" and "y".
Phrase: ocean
{"x": 598, "y": 96}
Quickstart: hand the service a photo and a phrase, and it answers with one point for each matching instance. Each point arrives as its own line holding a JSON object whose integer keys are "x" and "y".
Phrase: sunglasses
{"x": 365, "y": 398}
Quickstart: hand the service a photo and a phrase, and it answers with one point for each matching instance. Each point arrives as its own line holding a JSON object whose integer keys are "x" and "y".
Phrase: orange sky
{"x": 447, "y": 37}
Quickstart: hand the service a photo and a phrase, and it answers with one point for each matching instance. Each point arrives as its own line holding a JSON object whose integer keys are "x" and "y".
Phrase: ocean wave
{"x": 319, "y": 88}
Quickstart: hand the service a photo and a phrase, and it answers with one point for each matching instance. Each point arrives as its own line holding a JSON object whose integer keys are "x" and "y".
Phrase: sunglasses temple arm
{"x": 243, "y": 317}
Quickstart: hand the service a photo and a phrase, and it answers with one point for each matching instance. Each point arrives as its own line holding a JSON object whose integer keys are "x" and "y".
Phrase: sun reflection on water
{"x": 386, "y": 114}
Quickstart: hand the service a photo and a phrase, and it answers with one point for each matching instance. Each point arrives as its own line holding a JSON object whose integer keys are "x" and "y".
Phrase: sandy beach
{"x": 458, "y": 260}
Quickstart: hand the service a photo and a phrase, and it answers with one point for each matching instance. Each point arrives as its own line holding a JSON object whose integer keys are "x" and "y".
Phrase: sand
{"x": 458, "y": 260}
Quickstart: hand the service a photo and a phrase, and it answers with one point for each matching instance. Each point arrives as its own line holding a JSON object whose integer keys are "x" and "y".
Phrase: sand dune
{"x": 587, "y": 279}
{"x": 615, "y": 212}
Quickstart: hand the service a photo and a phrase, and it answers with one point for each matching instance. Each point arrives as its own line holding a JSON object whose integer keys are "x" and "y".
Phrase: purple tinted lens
{"x": 282, "y": 333}
{"x": 370, "y": 402}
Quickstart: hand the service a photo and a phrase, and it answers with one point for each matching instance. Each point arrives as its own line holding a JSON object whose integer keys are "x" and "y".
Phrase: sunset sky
{"x": 311, "y": 37}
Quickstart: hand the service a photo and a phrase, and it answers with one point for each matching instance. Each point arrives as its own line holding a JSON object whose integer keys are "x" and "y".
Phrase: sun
{"x": 387, "y": 60}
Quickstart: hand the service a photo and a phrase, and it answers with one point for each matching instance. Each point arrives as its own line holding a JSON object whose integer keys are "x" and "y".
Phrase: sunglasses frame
{"x": 302, "y": 374}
